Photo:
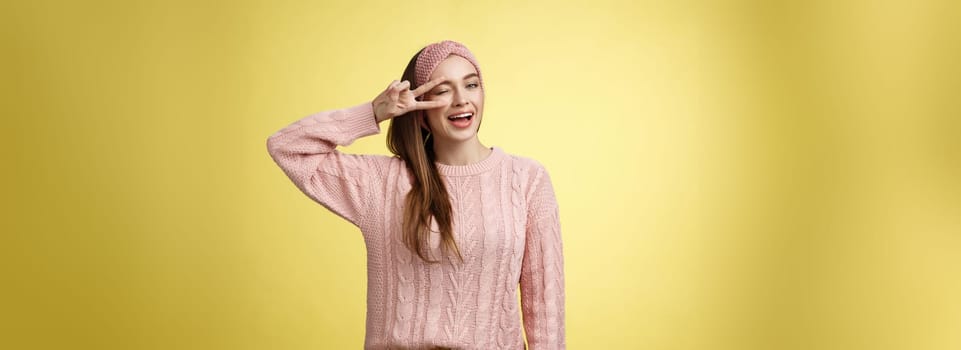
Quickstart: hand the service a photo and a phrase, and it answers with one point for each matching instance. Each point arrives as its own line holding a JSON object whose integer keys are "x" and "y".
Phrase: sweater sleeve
{"x": 542, "y": 270}
{"x": 306, "y": 151}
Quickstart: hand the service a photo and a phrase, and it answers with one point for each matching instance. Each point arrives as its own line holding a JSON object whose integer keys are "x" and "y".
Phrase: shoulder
{"x": 526, "y": 163}
{"x": 531, "y": 172}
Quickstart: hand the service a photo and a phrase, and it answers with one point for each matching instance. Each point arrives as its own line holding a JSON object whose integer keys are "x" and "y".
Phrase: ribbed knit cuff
{"x": 359, "y": 121}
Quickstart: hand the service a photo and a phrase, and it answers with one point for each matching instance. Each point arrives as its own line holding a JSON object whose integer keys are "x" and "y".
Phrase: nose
{"x": 460, "y": 98}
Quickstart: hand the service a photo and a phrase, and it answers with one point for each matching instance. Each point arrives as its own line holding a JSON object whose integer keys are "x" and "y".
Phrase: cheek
{"x": 433, "y": 118}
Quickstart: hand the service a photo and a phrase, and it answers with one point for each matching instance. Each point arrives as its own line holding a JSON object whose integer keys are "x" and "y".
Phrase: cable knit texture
{"x": 505, "y": 223}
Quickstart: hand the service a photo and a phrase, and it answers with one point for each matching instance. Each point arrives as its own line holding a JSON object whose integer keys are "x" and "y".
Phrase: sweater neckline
{"x": 496, "y": 155}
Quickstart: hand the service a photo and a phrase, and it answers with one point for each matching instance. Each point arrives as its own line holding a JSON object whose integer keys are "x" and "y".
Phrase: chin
{"x": 461, "y": 138}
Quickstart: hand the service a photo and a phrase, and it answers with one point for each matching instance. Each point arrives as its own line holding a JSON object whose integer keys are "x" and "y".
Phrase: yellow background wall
{"x": 731, "y": 174}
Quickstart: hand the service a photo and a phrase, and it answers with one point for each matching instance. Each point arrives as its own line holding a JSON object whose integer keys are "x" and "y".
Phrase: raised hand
{"x": 398, "y": 99}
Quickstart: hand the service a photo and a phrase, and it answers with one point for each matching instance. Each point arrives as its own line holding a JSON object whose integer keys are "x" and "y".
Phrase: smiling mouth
{"x": 467, "y": 116}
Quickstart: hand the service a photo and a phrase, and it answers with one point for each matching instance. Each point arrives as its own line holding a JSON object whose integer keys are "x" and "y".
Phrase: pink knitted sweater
{"x": 505, "y": 220}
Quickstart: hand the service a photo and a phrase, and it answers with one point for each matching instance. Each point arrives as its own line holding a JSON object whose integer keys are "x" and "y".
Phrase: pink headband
{"x": 434, "y": 53}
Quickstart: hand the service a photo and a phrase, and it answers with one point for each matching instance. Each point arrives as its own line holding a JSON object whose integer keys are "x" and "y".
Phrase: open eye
{"x": 473, "y": 85}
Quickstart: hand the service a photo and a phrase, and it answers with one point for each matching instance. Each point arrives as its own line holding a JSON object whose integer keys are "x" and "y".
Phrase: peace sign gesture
{"x": 398, "y": 99}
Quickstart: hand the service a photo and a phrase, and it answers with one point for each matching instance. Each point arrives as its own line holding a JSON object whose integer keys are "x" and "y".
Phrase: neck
{"x": 460, "y": 153}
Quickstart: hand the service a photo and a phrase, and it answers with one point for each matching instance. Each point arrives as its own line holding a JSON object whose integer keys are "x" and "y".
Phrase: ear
{"x": 422, "y": 121}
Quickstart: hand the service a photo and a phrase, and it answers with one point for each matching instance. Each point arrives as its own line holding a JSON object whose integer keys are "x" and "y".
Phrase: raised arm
{"x": 343, "y": 183}
{"x": 306, "y": 151}
{"x": 542, "y": 271}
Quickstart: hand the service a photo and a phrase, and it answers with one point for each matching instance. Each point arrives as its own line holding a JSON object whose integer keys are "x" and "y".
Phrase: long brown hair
{"x": 427, "y": 197}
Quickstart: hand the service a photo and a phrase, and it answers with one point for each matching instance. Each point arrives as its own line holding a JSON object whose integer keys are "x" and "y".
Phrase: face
{"x": 463, "y": 93}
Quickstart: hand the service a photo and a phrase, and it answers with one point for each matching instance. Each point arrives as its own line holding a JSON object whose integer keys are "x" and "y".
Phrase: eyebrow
{"x": 468, "y": 76}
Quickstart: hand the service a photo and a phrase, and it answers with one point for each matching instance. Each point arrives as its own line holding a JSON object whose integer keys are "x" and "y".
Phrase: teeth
{"x": 463, "y": 115}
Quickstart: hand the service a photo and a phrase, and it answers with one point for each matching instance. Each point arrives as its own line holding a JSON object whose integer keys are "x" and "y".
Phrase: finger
{"x": 428, "y": 85}
{"x": 394, "y": 89}
{"x": 404, "y": 85}
{"x": 429, "y": 104}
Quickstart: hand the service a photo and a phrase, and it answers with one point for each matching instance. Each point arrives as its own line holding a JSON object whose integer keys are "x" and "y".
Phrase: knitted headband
{"x": 434, "y": 53}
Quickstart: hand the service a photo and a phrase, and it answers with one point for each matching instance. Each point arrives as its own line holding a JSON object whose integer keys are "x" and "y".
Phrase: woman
{"x": 451, "y": 226}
